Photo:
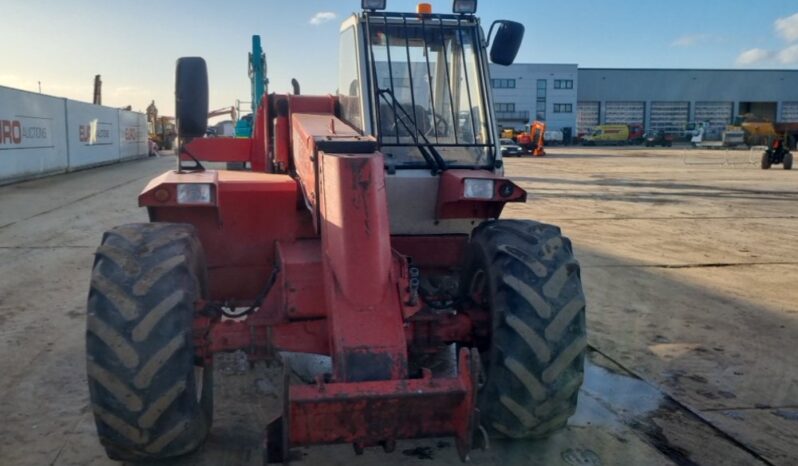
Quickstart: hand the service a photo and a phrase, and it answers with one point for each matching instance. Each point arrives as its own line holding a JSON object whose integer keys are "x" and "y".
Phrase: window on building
{"x": 502, "y": 83}
{"x": 563, "y": 108}
{"x": 541, "y": 88}
{"x": 563, "y": 83}
{"x": 540, "y": 111}
{"x": 502, "y": 108}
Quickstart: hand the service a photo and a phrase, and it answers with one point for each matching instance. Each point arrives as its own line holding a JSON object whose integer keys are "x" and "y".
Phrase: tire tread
{"x": 539, "y": 339}
{"x": 140, "y": 355}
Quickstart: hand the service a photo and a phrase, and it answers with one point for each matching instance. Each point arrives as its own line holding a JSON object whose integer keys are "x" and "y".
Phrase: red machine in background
{"x": 367, "y": 231}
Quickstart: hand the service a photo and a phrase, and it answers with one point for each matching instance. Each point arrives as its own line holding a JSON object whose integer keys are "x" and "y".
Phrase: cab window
{"x": 348, "y": 83}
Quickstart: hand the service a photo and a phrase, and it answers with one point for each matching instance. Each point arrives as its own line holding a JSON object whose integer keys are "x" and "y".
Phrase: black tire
{"x": 526, "y": 274}
{"x": 191, "y": 97}
{"x": 787, "y": 163}
{"x": 765, "y": 161}
{"x": 143, "y": 382}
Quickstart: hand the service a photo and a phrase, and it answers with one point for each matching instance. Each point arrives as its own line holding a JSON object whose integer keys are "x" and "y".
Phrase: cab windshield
{"x": 426, "y": 83}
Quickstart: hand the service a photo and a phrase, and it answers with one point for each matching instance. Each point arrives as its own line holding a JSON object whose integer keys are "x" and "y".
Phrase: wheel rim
{"x": 477, "y": 286}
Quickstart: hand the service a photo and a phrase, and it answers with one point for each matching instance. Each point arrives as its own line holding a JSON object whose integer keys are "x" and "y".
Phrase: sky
{"x": 134, "y": 44}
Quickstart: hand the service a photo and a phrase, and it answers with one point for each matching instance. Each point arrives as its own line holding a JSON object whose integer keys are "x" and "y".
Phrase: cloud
{"x": 753, "y": 56}
{"x": 787, "y": 27}
{"x": 322, "y": 17}
{"x": 788, "y": 56}
{"x": 689, "y": 40}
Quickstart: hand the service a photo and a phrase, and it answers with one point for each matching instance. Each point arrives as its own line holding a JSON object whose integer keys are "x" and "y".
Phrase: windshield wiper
{"x": 428, "y": 151}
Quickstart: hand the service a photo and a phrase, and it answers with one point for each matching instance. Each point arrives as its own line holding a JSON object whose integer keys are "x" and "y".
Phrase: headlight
{"x": 373, "y": 4}
{"x": 478, "y": 188}
{"x": 465, "y": 7}
{"x": 194, "y": 193}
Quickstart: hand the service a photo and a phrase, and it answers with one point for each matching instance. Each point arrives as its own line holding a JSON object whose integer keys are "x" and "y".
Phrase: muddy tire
{"x": 150, "y": 400}
{"x": 526, "y": 274}
{"x": 765, "y": 161}
{"x": 787, "y": 164}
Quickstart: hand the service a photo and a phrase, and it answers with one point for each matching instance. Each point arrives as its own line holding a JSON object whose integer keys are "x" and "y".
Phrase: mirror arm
{"x": 490, "y": 32}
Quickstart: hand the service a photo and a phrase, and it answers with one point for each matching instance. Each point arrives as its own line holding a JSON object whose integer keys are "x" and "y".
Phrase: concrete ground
{"x": 689, "y": 262}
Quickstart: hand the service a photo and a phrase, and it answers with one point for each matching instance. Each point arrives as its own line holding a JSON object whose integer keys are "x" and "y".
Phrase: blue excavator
{"x": 259, "y": 86}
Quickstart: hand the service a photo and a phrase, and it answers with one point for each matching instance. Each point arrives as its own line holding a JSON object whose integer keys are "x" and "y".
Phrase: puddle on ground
{"x": 608, "y": 398}
{"x": 617, "y": 415}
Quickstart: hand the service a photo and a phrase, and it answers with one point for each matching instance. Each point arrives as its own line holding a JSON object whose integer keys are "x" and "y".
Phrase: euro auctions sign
{"x": 95, "y": 133}
{"x": 25, "y": 132}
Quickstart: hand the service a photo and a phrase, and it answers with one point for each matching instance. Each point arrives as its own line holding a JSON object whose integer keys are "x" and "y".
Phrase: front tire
{"x": 150, "y": 400}
{"x": 765, "y": 161}
{"x": 526, "y": 274}
{"x": 787, "y": 164}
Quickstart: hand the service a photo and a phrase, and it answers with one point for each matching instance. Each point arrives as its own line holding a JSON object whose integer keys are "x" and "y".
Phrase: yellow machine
{"x": 163, "y": 132}
{"x": 756, "y": 131}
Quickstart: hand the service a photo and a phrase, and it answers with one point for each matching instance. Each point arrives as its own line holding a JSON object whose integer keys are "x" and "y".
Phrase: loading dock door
{"x": 625, "y": 113}
{"x": 587, "y": 117}
{"x": 670, "y": 117}
{"x": 764, "y": 110}
{"x": 718, "y": 114}
{"x": 789, "y": 112}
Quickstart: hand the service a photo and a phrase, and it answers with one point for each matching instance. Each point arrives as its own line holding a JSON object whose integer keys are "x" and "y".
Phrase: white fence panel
{"x": 93, "y": 134}
{"x": 132, "y": 135}
{"x": 32, "y": 135}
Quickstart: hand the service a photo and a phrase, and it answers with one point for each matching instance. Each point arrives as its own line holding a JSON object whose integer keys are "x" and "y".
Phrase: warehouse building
{"x": 577, "y": 99}
{"x": 526, "y": 92}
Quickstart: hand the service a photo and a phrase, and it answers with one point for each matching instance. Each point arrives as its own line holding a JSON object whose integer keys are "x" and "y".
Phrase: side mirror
{"x": 191, "y": 97}
{"x": 507, "y": 42}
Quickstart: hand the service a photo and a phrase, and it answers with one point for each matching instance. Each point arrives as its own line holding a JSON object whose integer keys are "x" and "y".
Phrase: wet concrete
{"x": 692, "y": 360}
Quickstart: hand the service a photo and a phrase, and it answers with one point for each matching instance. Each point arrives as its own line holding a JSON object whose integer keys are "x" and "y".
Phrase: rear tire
{"x": 150, "y": 401}
{"x": 787, "y": 161}
{"x": 765, "y": 161}
{"x": 526, "y": 274}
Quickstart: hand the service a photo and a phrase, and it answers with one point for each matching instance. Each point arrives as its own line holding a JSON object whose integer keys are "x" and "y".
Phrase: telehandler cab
{"x": 366, "y": 229}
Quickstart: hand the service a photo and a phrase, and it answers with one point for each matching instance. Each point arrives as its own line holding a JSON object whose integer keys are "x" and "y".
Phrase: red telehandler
{"x": 366, "y": 230}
